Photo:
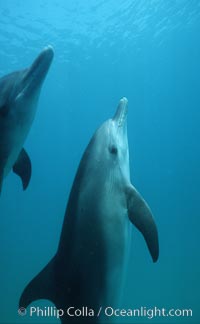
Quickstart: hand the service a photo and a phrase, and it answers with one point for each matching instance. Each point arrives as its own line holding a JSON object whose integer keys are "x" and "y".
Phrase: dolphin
{"x": 19, "y": 94}
{"x": 91, "y": 260}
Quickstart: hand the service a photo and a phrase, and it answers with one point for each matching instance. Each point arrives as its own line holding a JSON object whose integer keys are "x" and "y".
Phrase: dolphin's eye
{"x": 113, "y": 149}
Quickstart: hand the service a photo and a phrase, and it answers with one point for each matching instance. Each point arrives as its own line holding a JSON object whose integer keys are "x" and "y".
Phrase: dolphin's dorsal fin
{"x": 41, "y": 287}
{"x": 22, "y": 168}
{"x": 141, "y": 216}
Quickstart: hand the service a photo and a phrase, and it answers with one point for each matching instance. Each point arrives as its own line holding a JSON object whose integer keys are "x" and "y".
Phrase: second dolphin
{"x": 19, "y": 93}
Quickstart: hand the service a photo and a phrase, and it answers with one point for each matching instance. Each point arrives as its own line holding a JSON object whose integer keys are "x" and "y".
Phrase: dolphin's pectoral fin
{"x": 22, "y": 168}
{"x": 141, "y": 216}
{"x": 41, "y": 287}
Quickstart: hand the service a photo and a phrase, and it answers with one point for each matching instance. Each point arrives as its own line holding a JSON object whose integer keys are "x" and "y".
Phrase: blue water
{"x": 148, "y": 51}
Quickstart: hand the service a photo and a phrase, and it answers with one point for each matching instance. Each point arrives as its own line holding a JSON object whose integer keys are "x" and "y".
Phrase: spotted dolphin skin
{"x": 90, "y": 264}
{"x": 19, "y": 93}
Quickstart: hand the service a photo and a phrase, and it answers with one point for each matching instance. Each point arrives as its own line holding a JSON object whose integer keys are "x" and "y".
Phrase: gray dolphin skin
{"x": 89, "y": 267}
{"x": 19, "y": 94}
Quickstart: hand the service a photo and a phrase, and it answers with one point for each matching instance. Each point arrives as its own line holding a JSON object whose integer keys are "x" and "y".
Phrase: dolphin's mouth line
{"x": 122, "y": 117}
{"x": 121, "y": 113}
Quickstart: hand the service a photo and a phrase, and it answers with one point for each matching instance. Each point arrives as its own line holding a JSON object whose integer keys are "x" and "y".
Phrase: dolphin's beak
{"x": 121, "y": 112}
{"x": 43, "y": 61}
{"x": 38, "y": 70}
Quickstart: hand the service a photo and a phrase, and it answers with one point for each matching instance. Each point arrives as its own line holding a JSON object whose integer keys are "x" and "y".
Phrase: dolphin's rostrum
{"x": 88, "y": 268}
{"x": 19, "y": 93}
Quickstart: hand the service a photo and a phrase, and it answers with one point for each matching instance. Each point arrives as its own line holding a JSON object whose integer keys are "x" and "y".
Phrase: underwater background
{"x": 148, "y": 51}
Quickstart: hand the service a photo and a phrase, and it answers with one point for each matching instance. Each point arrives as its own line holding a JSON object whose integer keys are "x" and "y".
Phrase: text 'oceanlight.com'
{"x": 145, "y": 312}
